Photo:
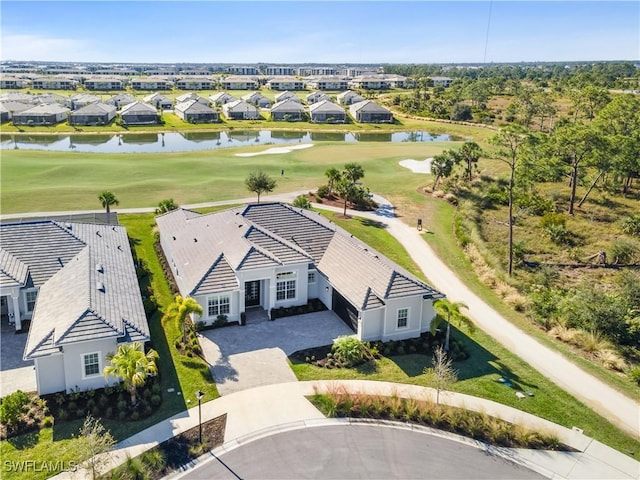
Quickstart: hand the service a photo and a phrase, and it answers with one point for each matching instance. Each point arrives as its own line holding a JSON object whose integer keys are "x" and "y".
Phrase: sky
{"x": 319, "y": 31}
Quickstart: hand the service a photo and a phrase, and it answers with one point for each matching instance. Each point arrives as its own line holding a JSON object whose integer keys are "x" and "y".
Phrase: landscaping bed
{"x": 172, "y": 454}
{"x": 314, "y": 305}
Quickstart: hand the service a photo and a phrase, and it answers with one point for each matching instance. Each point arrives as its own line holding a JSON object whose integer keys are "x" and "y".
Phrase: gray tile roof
{"x": 47, "y": 109}
{"x": 138, "y": 108}
{"x": 326, "y": 106}
{"x": 368, "y": 106}
{"x": 88, "y": 284}
{"x": 94, "y": 109}
{"x": 10, "y": 106}
{"x": 13, "y": 271}
{"x": 193, "y": 106}
{"x": 288, "y": 105}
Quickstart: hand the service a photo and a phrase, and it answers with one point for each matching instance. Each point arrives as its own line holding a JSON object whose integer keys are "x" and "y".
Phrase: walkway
{"x": 264, "y": 411}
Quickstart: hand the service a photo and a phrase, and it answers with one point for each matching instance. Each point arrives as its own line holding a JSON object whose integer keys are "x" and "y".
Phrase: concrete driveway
{"x": 15, "y": 374}
{"x": 256, "y": 354}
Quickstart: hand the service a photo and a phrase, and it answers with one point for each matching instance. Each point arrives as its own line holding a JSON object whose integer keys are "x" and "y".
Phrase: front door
{"x": 252, "y": 294}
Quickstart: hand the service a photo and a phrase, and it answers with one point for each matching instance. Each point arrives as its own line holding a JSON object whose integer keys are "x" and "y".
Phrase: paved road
{"x": 605, "y": 400}
{"x": 357, "y": 451}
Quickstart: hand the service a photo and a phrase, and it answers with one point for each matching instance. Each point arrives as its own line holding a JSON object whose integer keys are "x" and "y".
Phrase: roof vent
{"x": 100, "y": 286}
{"x": 68, "y": 226}
{"x": 195, "y": 240}
{"x": 99, "y": 268}
{"x": 98, "y": 233}
{"x": 174, "y": 237}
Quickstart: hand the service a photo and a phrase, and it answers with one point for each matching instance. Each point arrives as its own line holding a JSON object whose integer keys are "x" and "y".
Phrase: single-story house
{"x": 159, "y": 101}
{"x": 151, "y": 83}
{"x": 328, "y": 83}
{"x": 138, "y": 113}
{"x": 120, "y": 100}
{"x": 288, "y": 110}
{"x": 238, "y": 83}
{"x": 368, "y": 111}
{"x": 192, "y": 96}
{"x": 272, "y": 255}
{"x": 194, "y": 83}
{"x": 19, "y": 97}
{"x": 93, "y": 114}
{"x": 193, "y": 111}
{"x": 257, "y": 99}
{"x": 441, "y": 81}
{"x": 77, "y": 284}
{"x": 51, "y": 114}
{"x": 221, "y": 98}
{"x": 53, "y": 83}
{"x": 51, "y": 98}
{"x": 326, "y": 111}
{"x": 285, "y": 83}
{"x": 315, "y": 97}
{"x": 286, "y": 95}
{"x": 349, "y": 97}
{"x": 240, "y": 110}
{"x": 82, "y": 100}
{"x": 8, "y": 109}
{"x": 103, "y": 83}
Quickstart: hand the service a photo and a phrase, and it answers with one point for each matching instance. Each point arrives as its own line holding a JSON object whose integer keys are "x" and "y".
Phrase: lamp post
{"x": 199, "y": 396}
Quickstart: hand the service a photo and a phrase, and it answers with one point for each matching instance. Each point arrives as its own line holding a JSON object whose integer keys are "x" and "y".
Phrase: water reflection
{"x": 191, "y": 141}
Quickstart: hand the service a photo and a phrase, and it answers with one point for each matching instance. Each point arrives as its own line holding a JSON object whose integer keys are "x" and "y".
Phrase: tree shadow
{"x": 25, "y": 441}
{"x": 412, "y": 364}
{"x": 367, "y": 222}
{"x": 367, "y": 368}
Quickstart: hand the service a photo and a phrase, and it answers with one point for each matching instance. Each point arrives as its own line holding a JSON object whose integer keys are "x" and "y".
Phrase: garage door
{"x": 347, "y": 312}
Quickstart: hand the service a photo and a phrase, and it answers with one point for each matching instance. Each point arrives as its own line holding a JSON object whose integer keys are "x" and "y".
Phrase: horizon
{"x": 321, "y": 32}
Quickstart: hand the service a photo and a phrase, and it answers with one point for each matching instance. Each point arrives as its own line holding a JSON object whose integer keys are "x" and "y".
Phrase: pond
{"x": 191, "y": 141}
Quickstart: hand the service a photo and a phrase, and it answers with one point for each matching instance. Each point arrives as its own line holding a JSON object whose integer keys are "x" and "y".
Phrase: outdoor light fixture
{"x": 199, "y": 396}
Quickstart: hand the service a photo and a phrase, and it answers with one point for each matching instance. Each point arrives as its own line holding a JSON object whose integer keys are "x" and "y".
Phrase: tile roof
{"x": 88, "y": 288}
{"x": 137, "y": 108}
{"x": 367, "y": 106}
{"x": 193, "y": 106}
{"x": 288, "y": 105}
{"x": 326, "y": 106}
{"x": 94, "y": 109}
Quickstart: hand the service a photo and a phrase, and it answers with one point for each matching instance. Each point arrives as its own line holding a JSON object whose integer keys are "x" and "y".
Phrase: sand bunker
{"x": 417, "y": 166}
{"x": 273, "y": 150}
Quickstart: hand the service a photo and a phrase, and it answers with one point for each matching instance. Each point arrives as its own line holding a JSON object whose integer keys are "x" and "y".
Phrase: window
{"x": 403, "y": 317}
{"x": 91, "y": 363}
{"x": 286, "y": 290}
{"x": 312, "y": 278}
{"x": 218, "y": 305}
{"x": 31, "y": 299}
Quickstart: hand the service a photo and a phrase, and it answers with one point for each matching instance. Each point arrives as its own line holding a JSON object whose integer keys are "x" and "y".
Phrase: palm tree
{"x": 334, "y": 175}
{"x": 107, "y": 199}
{"x": 132, "y": 365}
{"x": 447, "y": 311}
{"x": 181, "y": 308}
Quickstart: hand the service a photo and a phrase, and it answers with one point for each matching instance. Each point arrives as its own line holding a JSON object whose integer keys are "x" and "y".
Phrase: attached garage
{"x": 345, "y": 310}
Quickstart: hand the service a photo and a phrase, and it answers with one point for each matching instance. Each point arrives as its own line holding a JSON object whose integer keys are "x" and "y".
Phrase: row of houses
{"x": 232, "y": 82}
{"x": 87, "y": 110}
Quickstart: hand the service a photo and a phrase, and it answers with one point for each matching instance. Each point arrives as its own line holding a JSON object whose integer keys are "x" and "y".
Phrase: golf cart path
{"x": 597, "y": 395}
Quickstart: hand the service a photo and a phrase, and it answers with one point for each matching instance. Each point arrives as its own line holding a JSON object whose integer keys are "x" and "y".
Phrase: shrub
{"x": 63, "y": 414}
{"x": 634, "y": 375}
{"x": 323, "y": 191}
{"x": 156, "y": 400}
{"x": 301, "y": 201}
{"x": 349, "y": 349}
{"x": 623, "y": 250}
{"x": 135, "y": 415}
{"x": 221, "y": 321}
{"x": 631, "y": 225}
{"x": 12, "y": 407}
{"x": 47, "y": 421}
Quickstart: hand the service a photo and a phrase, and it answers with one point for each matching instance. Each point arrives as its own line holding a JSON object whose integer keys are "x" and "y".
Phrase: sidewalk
{"x": 262, "y": 411}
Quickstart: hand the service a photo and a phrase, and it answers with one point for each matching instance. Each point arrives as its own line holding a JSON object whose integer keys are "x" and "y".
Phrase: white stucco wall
{"x": 371, "y": 324}
{"x": 325, "y": 291}
{"x": 427, "y": 315}
{"x": 74, "y": 366}
{"x": 414, "y": 323}
{"x": 50, "y": 374}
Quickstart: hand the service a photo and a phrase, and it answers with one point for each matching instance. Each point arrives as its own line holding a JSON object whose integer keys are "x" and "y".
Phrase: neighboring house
{"x": 51, "y": 98}
{"x": 315, "y": 97}
{"x": 8, "y": 82}
{"x": 243, "y": 70}
{"x": 51, "y": 114}
{"x": 272, "y": 255}
{"x": 441, "y": 81}
{"x": 288, "y": 110}
{"x": 285, "y": 83}
{"x": 193, "y": 111}
{"x": 257, "y": 99}
{"x": 82, "y": 100}
{"x": 138, "y": 113}
{"x": 221, "y": 98}
{"x": 275, "y": 71}
{"x": 348, "y": 97}
{"x": 8, "y": 109}
{"x": 328, "y": 83}
{"x": 368, "y": 111}
{"x": 286, "y": 95}
{"x": 77, "y": 284}
{"x": 53, "y": 83}
{"x": 368, "y": 82}
{"x": 103, "y": 83}
{"x": 240, "y": 110}
{"x": 120, "y": 100}
{"x": 192, "y": 96}
{"x": 327, "y": 112}
{"x": 19, "y": 97}
{"x": 238, "y": 83}
{"x": 151, "y": 83}
{"x": 194, "y": 83}
{"x": 159, "y": 101}
{"x": 93, "y": 114}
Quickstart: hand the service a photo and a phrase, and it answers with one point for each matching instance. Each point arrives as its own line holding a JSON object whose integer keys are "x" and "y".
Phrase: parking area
{"x": 15, "y": 374}
{"x": 256, "y": 354}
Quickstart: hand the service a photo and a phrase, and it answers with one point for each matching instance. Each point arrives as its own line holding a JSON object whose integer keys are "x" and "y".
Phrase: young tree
{"x": 259, "y": 182}
{"x": 334, "y": 175}
{"x": 96, "y": 441}
{"x": 347, "y": 191}
{"x": 108, "y": 199}
{"x": 442, "y": 375}
{"x": 442, "y": 166}
{"x": 181, "y": 309}
{"x": 509, "y": 142}
{"x": 470, "y": 153}
{"x": 447, "y": 312}
{"x": 166, "y": 206}
{"x": 132, "y": 365}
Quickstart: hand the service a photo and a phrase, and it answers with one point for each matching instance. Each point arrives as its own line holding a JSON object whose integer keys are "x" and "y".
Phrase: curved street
{"x": 603, "y": 399}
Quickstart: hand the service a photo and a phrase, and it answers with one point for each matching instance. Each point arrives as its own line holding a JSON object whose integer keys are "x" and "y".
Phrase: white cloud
{"x": 37, "y": 47}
